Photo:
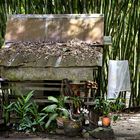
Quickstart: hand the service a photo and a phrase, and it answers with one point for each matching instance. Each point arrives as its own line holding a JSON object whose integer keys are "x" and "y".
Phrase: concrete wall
{"x": 55, "y": 27}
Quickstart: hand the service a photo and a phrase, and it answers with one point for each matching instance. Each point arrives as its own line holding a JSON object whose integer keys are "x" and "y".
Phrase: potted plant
{"x": 106, "y": 108}
{"x": 76, "y": 102}
{"x": 102, "y": 109}
{"x": 73, "y": 126}
{"x": 57, "y": 111}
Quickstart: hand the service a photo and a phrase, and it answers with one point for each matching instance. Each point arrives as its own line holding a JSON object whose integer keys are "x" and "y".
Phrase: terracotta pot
{"x": 106, "y": 121}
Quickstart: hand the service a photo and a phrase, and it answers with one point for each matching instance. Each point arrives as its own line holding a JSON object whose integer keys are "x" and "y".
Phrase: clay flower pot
{"x": 106, "y": 121}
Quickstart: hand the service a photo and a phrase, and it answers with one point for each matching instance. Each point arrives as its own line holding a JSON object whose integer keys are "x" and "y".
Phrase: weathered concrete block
{"x": 30, "y": 73}
{"x": 55, "y": 27}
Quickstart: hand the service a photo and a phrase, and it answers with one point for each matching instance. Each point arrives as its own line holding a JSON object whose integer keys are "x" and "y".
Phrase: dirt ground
{"x": 126, "y": 128}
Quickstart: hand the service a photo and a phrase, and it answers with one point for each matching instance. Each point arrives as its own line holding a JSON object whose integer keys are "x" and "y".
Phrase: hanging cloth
{"x": 118, "y": 78}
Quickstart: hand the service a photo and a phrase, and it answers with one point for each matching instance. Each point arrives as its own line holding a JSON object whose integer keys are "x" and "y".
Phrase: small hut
{"x": 41, "y": 50}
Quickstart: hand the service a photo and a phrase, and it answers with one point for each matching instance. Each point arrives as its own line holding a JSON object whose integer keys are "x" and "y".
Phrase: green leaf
{"x": 66, "y": 98}
{"x": 30, "y": 94}
{"x": 33, "y": 129}
{"x": 50, "y": 108}
{"x": 42, "y": 118}
{"x": 10, "y": 107}
{"x": 53, "y": 99}
{"x": 18, "y": 108}
{"x": 27, "y": 106}
{"x": 21, "y": 101}
{"x": 51, "y": 118}
{"x": 65, "y": 112}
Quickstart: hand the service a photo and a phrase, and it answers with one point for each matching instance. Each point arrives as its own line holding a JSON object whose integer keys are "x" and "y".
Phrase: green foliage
{"x": 7, "y": 108}
{"x": 57, "y": 109}
{"x": 117, "y": 105}
{"x": 29, "y": 118}
{"x": 53, "y": 99}
{"x": 22, "y": 105}
{"x": 38, "y": 118}
{"x": 76, "y": 101}
{"x": 115, "y": 117}
{"x": 102, "y": 106}
{"x": 52, "y": 117}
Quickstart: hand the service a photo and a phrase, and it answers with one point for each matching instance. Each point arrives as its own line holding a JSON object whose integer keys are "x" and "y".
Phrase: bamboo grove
{"x": 122, "y": 23}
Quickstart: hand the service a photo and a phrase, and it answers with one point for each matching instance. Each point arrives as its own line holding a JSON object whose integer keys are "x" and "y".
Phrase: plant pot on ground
{"x": 106, "y": 121}
{"x": 102, "y": 108}
{"x": 57, "y": 111}
{"x": 72, "y": 128}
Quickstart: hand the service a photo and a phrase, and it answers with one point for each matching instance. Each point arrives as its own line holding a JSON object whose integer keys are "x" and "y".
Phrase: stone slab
{"x": 49, "y": 73}
{"x": 62, "y": 27}
{"x": 103, "y": 133}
